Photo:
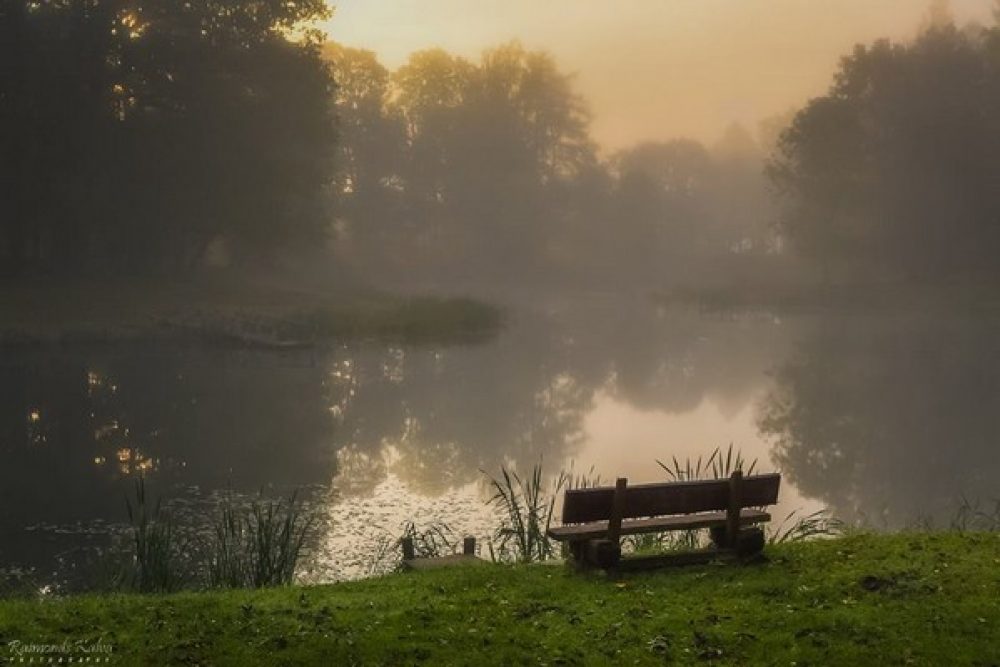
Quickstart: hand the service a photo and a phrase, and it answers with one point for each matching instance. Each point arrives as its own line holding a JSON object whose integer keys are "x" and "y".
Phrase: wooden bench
{"x": 595, "y": 519}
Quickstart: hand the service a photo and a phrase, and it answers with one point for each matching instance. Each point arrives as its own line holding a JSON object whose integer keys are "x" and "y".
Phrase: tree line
{"x": 138, "y": 135}
{"x": 450, "y": 167}
{"x": 893, "y": 174}
{"x": 889, "y": 176}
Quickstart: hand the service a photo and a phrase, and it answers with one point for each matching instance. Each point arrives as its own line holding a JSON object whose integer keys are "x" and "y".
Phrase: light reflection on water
{"x": 622, "y": 441}
{"x": 882, "y": 417}
{"x": 355, "y": 526}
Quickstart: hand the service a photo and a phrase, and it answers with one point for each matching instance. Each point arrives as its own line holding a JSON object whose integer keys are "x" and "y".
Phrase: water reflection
{"x": 440, "y": 416}
{"x": 76, "y": 425}
{"x": 889, "y": 418}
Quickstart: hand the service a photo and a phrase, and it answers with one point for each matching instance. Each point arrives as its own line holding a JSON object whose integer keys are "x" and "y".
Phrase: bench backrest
{"x": 642, "y": 500}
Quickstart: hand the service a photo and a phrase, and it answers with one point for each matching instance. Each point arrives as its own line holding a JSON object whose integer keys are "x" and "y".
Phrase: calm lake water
{"x": 886, "y": 419}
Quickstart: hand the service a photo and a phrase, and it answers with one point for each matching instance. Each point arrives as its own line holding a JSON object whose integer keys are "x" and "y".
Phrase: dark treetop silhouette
{"x": 134, "y": 133}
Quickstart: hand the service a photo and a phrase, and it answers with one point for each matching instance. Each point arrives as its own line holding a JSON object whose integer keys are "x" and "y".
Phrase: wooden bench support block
{"x": 749, "y": 542}
{"x": 604, "y": 554}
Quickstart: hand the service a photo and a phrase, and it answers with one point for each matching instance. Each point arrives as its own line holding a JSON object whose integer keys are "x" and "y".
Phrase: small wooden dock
{"x": 467, "y": 557}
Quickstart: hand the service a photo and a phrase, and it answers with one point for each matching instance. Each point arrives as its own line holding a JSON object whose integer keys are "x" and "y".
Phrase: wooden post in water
{"x": 408, "y": 552}
{"x": 733, "y": 511}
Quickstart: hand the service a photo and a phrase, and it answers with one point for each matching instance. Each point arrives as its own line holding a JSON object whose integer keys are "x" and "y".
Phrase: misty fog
{"x": 240, "y": 253}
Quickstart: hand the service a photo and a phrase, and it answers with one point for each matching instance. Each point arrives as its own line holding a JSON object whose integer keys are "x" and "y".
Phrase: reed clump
{"x": 250, "y": 546}
{"x": 259, "y": 545}
{"x": 154, "y": 560}
{"x": 526, "y": 506}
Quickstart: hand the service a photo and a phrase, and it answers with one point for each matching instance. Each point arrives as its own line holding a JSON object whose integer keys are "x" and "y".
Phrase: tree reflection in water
{"x": 874, "y": 416}
{"x": 890, "y": 420}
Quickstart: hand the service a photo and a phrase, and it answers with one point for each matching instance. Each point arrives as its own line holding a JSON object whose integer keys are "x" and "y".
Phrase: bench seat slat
{"x": 598, "y": 529}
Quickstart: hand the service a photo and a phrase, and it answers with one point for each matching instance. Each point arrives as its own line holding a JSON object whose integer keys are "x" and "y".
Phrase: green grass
{"x": 906, "y": 599}
{"x": 229, "y": 311}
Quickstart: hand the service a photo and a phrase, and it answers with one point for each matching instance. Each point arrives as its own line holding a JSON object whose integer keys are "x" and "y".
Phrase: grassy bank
{"x": 228, "y": 310}
{"x": 922, "y": 599}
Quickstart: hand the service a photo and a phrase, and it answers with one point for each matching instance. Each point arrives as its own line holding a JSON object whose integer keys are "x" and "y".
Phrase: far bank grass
{"x": 233, "y": 312}
{"x": 908, "y": 599}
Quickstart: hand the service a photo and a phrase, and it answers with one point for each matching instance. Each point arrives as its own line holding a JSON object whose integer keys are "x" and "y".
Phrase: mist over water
{"x": 862, "y": 413}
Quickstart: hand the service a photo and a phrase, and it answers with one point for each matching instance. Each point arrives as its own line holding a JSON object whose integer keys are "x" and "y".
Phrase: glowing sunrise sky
{"x": 654, "y": 69}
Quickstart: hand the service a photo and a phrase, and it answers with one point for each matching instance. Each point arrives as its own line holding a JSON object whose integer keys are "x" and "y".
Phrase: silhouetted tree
{"x": 661, "y": 190}
{"x": 487, "y": 153}
{"x": 892, "y": 173}
{"x": 134, "y": 132}
{"x": 370, "y": 147}
{"x": 680, "y": 208}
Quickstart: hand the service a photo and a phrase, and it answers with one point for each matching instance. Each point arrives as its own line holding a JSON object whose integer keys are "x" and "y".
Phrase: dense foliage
{"x": 892, "y": 174}
{"x": 487, "y": 169}
{"x": 135, "y": 133}
{"x": 142, "y": 136}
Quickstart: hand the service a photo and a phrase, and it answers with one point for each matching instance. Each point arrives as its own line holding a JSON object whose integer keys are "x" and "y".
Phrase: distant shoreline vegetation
{"x": 768, "y": 290}
{"x": 230, "y": 315}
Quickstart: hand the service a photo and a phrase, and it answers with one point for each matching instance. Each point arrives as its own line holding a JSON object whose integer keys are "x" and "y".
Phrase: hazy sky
{"x": 654, "y": 69}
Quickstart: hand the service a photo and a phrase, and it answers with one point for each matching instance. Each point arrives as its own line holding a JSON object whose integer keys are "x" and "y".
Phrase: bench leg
{"x": 576, "y": 552}
{"x": 719, "y": 537}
